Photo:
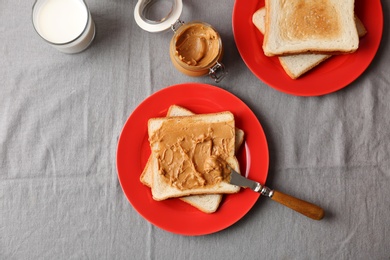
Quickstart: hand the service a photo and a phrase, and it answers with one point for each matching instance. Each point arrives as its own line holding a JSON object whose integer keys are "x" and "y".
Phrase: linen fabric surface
{"x": 61, "y": 116}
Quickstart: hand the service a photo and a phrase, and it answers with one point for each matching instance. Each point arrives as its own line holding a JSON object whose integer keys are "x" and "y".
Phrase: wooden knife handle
{"x": 301, "y": 206}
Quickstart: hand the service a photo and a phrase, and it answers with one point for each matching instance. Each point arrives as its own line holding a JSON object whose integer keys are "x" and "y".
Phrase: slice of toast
{"x": 310, "y": 26}
{"x": 296, "y": 65}
{"x": 165, "y": 132}
{"x": 207, "y": 203}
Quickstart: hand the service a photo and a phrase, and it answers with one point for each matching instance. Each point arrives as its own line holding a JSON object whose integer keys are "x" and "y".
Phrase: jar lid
{"x": 146, "y": 17}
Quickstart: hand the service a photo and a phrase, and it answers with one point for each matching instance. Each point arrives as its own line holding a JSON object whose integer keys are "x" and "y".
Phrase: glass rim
{"x": 68, "y": 42}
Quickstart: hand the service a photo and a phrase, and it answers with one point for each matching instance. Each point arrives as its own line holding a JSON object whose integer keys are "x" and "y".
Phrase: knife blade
{"x": 306, "y": 208}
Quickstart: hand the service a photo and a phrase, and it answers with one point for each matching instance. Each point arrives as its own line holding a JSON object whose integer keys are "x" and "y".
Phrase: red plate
{"x": 332, "y": 75}
{"x": 133, "y": 152}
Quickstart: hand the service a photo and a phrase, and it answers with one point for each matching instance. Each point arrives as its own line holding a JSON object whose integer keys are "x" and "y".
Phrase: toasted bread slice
{"x": 310, "y": 26}
{"x": 296, "y": 65}
{"x": 161, "y": 189}
{"x": 207, "y": 203}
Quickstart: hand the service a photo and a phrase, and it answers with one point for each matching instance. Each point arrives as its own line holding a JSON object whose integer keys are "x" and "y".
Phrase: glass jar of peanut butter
{"x": 196, "y": 50}
{"x": 196, "y": 47}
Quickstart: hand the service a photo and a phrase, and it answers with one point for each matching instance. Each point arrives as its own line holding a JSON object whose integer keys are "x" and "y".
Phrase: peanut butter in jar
{"x": 196, "y": 49}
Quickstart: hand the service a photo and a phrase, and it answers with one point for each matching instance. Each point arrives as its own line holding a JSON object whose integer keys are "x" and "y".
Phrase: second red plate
{"x": 332, "y": 75}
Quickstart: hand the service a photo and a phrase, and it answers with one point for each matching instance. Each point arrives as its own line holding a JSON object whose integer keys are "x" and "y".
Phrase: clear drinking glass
{"x": 66, "y": 25}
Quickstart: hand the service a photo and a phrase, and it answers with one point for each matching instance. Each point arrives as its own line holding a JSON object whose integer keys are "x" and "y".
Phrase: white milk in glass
{"x": 65, "y": 24}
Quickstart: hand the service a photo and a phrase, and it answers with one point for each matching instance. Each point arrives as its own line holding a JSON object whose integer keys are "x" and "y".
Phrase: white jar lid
{"x": 164, "y": 23}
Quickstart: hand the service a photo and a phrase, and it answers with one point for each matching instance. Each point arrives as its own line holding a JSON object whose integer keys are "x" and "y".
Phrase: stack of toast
{"x": 205, "y": 198}
{"x": 304, "y": 33}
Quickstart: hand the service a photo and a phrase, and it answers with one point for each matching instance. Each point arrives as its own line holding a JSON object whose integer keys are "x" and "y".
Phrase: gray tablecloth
{"x": 61, "y": 117}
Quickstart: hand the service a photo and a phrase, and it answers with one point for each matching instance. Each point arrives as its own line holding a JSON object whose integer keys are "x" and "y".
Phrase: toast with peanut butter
{"x": 295, "y": 65}
{"x": 191, "y": 155}
{"x": 207, "y": 203}
{"x": 309, "y": 26}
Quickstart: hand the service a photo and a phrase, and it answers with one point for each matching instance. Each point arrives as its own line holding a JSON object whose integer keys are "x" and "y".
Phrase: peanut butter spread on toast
{"x": 192, "y": 154}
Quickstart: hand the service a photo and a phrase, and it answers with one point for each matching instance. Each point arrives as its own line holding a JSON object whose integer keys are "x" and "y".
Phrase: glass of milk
{"x": 67, "y": 25}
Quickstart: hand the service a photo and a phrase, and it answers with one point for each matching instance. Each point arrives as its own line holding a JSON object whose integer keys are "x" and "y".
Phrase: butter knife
{"x": 308, "y": 209}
